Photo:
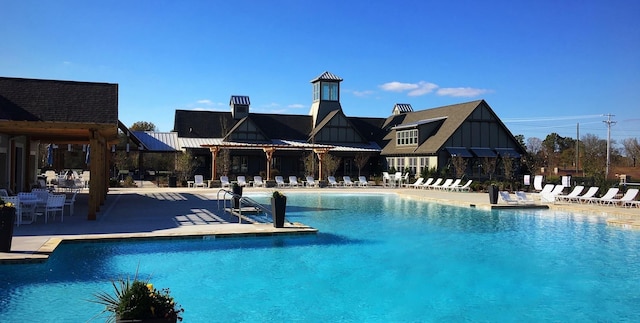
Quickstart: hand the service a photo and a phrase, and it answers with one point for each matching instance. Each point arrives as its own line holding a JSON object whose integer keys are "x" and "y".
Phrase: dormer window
{"x": 407, "y": 137}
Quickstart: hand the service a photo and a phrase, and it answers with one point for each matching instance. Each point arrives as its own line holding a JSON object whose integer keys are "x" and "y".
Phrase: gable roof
{"x": 327, "y": 76}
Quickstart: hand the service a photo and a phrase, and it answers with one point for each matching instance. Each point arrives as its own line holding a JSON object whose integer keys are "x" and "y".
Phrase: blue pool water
{"x": 377, "y": 258}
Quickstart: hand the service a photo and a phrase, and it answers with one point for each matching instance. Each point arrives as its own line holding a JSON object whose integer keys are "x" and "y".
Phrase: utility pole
{"x": 577, "y": 147}
{"x": 609, "y": 123}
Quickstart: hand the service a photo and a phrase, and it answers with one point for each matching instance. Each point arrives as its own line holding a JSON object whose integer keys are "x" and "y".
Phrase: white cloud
{"x": 296, "y": 106}
{"x": 461, "y": 91}
{"x": 205, "y": 102}
{"x": 398, "y": 87}
{"x": 363, "y": 93}
{"x": 423, "y": 88}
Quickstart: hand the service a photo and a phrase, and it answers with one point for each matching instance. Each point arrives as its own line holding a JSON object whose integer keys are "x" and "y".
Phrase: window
{"x": 413, "y": 163}
{"x": 239, "y": 164}
{"x": 316, "y": 91}
{"x": 407, "y": 137}
{"x": 330, "y": 91}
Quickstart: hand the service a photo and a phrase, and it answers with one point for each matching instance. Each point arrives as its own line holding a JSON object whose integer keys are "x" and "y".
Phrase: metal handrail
{"x": 247, "y": 202}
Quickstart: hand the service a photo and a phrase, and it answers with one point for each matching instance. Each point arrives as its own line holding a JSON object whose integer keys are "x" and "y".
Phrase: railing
{"x": 243, "y": 201}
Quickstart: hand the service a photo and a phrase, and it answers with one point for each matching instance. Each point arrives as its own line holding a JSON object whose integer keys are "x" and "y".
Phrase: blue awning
{"x": 507, "y": 152}
{"x": 483, "y": 152}
{"x": 459, "y": 152}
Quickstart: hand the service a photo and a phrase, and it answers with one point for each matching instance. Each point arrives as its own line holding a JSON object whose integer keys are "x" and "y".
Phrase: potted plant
{"x": 237, "y": 191}
{"x": 138, "y": 301}
{"x": 278, "y": 208}
{"x": 493, "y": 193}
{"x": 7, "y": 218}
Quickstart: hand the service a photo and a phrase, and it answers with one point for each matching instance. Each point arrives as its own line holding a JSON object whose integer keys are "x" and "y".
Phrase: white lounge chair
{"x": 466, "y": 187}
{"x": 610, "y": 194}
{"x": 522, "y": 198}
{"x": 453, "y": 185}
{"x": 198, "y": 181}
{"x": 573, "y": 194}
{"x": 293, "y": 181}
{"x": 242, "y": 181}
{"x": 426, "y": 183}
{"x": 362, "y": 181}
{"x": 311, "y": 182}
{"x": 551, "y": 196}
{"x": 224, "y": 182}
{"x": 434, "y": 184}
{"x": 444, "y": 185}
{"x": 630, "y": 195}
{"x": 417, "y": 183}
{"x": 257, "y": 181}
{"x": 537, "y": 183}
{"x": 584, "y": 198}
{"x": 280, "y": 181}
{"x": 506, "y": 197}
{"x": 332, "y": 181}
{"x": 347, "y": 181}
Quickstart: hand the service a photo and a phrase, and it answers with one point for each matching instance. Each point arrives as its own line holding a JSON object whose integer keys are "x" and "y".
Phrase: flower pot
{"x": 237, "y": 190}
{"x": 7, "y": 220}
{"x": 493, "y": 194}
{"x": 278, "y": 209}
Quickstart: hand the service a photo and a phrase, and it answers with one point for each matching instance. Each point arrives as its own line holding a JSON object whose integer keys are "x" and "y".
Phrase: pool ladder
{"x": 244, "y": 202}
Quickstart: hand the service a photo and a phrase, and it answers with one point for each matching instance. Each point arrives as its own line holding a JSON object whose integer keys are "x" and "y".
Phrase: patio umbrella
{"x": 50, "y": 154}
{"x": 87, "y": 158}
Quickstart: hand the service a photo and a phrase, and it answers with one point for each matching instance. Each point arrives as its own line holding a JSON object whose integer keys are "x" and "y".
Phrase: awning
{"x": 459, "y": 152}
{"x": 483, "y": 152}
{"x": 507, "y": 152}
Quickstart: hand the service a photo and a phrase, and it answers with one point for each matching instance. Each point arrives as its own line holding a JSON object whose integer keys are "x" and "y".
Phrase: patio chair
{"x": 630, "y": 195}
{"x": 466, "y": 187}
{"x": 444, "y": 185}
{"x": 522, "y": 198}
{"x": 397, "y": 179}
{"x": 573, "y": 194}
{"x": 347, "y": 181}
{"x": 551, "y": 196}
{"x": 242, "y": 181}
{"x": 293, "y": 181}
{"x": 332, "y": 181}
{"x": 362, "y": 181}
{"x": 537, "y": 182}
{"x": 257, "y": 181}
{"x": 434, "y": 184}
{"x": 426, "y": 183}
{"x": 311, "y": 182}
{"x": 610, "y": 194}
{"x": 386, "y": 179}
{"x": 453, "y": 185}
{"x": 280, "y": 181}
{"x": 224, "y": 182}
{"x": 198, "y": 181}
{"x": 506, "y": 197}
{"x": 3, "y": 192}
{"x": 591, "y": 192}
{"x": 55, "y": 204}
{"x": 417, "y": 183}
{"x": 70, "y": 202}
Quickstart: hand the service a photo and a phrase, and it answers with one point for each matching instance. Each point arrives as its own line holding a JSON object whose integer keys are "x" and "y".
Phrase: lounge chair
{"x": 224, "y": 182}
{"x": 293, "y": 181}
{"x": 434, "y": 184}
{"x": 573, "y": 194}
{"x": 610, "y": 194}
{"x": 198, "y": 181}
{"x": 242, "y": 181}
{"x": 466, "y": 187}
{"x": 506, "y": 197}
{"x": 417, "y": 183}
{"x": 630, "y": 195}
{"x": 426, "y": 183}
{"x": 453, "y": 185}
{"x": 551, "y": 196}
{"x": 444, "y": 185}
{"x": 280, "y": 181}
{"x": 522, "y": 198}
{"x": 347, "y": 181}
{"x": 362, "y": 181}
{"x": 537, "y": 183}
{"x": 591, "y": 192}
{"x": 332, "y": 181}
{"x": 257, "y": 181}
{"x": 311, "y": 182}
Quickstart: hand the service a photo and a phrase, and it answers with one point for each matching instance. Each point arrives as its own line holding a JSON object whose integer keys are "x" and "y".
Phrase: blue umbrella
{"x": 50, "y": 154}
{"x": 87, "y": 158}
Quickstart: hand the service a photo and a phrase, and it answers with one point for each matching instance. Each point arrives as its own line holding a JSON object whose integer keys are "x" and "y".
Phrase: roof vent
{"x": 401, "y": 108}
{"x": 239, "y": 106}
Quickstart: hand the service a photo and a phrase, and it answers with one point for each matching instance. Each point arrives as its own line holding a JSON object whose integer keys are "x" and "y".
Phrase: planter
{"x": 278, "y": 210}
{"x": 150, "y": 320}
{"x": 237, "y": 190}
{"x": 173, "y": 181}
{"x": 493, "y": 194}
{"x": 7, "y": 220}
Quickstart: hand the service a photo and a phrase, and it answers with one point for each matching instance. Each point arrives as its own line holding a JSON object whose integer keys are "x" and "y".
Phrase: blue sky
{"x": 543, "y": 66}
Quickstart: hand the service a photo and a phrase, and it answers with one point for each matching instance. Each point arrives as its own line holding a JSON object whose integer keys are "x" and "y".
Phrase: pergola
{"x": 269, "y": 149}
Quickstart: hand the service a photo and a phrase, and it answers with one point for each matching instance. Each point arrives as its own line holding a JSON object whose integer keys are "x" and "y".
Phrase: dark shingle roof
{"x": 327, "y": 76}
{"x": 61, "y": 101}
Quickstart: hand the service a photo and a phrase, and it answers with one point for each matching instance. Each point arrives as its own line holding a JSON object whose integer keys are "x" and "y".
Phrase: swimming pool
{"x": 376, "y": 258}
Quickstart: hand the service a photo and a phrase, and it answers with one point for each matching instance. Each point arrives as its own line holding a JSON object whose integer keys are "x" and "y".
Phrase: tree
{"x": 361, "y": 161}
{"x": 489, "y": 166}
{"x": 520, "y": 139}
{"x": 631, "y": 149}
{"x": 460, "y": 165}
{"x": 594, "y": 161}
{"x": 330, "y": 163}
{"x": 143, "y": 126}
{"x": 185, "y": 165}
{"x": 534, "y": 145}
{"x": 223, "y": 162}
{"x": 310, "y": 164}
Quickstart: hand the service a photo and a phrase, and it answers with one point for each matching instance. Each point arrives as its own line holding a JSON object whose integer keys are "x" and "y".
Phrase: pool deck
{"x": 178, "y": 213}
